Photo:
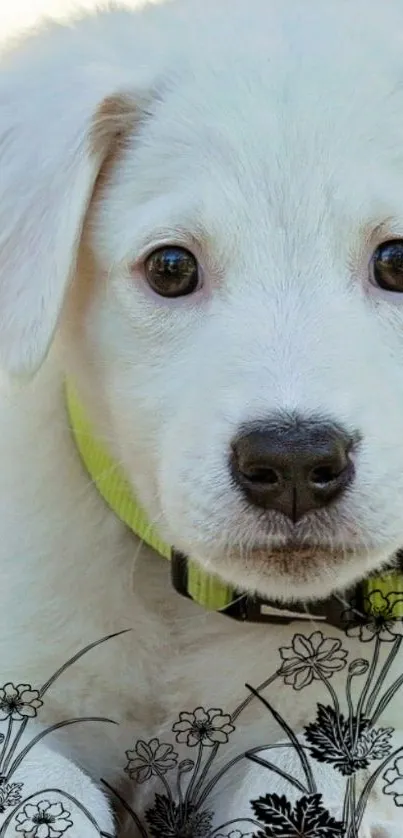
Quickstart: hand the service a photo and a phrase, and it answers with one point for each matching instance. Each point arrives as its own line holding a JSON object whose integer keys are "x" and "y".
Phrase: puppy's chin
{"x": 293, "y": 572}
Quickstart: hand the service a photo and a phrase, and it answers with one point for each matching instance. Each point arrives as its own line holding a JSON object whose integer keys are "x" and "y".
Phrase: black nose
{"x": 293, "y": 466}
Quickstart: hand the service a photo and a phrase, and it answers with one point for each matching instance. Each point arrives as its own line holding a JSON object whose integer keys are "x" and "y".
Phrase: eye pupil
{"x": 172, "y": 271}
{"x": 387, "y": 266}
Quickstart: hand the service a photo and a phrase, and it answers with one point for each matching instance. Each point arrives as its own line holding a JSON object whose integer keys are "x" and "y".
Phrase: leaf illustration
{"x": 162, "y": 817}
{"x": 167, "y": 820}
{"x": 330, "y": 740}
{"x": 307, "y": 819}
{"x": 272, "y": 808}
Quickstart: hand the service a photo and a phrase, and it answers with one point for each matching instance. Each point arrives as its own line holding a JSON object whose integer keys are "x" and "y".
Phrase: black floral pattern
{"x": 394, "y": 781}
{"x": 203, "y": 727}
{"x": 307, "y": 819}
{"x": 10, "y": 795}
{"x": 19, "y": 702}
{"x": 43, "y": 820}
{"x": 380, "y": 618}
{"x": 347, "y": 744}
{"x": 149, "y": 759}
{"x": 311, "y": 658}
{"x": 168, "y": 820}
{"x": 184, "y": 779}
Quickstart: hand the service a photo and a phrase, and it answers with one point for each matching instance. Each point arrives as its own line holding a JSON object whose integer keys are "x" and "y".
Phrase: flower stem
{"x": 371, "y": 673}
{"x": 363, "y": 696}
{"x": 46, "y": 732}
{"x": 14, "y": 745}
{"x": 245, "y": 755}
{"x": 164, "y": 783}
{"x": 387, "y": 698}
{"x": 267, "y": 683}
{"x": 126, "y": 807}
{"x": 52, "y": 680}
{"x": 189, "y": 790}
{"x": 346, "y": 805}
{"x": 382, "y": 675}
{"x": 362, "y": 801}
{"x": 206, "y": 768}
{"x": 276, "y": 770}
{"x": 292, "y": 737}
{"x": 6, "y": 743}
{"x": 352, "y": 831}
{"x": 350, "y": 706}
{"x": 180, "y": 792}
{"x": 336, "y": 705}
{"x": 77, "y": 657}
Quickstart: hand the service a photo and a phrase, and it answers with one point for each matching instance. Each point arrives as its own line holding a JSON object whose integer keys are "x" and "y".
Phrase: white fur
{"x": 268, "y": 137}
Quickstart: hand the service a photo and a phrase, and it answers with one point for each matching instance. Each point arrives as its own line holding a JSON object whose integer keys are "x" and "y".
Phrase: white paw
{"x": 374, "y": 828}
{"x": 57, "y": 797}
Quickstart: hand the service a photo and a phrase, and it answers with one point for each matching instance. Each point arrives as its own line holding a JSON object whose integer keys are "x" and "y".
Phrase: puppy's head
{"x": 205, "y": 204}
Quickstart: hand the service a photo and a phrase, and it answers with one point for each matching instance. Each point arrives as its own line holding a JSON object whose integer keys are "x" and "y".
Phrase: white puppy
{"x": 201, "y": 231}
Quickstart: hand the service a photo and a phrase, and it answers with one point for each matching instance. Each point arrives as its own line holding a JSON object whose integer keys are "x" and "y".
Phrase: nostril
{"x": 323, "y": 475}
{"x": 333, "y": 476}
{"x": 261, "y": 475}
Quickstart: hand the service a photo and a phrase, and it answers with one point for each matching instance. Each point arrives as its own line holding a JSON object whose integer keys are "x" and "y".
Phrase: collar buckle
{"x": 246, "y": 608}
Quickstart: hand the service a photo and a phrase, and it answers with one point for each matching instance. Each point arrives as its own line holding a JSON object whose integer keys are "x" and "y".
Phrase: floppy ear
{"x": 59, "y": 114}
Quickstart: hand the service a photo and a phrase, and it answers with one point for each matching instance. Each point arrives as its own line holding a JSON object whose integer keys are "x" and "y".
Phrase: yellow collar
{"x": 112, "y": 484}
{"x": 188, "y": 578}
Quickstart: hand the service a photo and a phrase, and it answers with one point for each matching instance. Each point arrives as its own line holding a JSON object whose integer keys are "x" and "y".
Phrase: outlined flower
{"x": 381, "y": 618}
{"x": 203, "y": 727}
{"x": 148, "y": 759}
{"x": 19, "y": 702}
{"x": 10, "y": 795}
{"x": 311, "y": 658}
{"x": 43, "y": 820}
{"x": 394, "y": 781}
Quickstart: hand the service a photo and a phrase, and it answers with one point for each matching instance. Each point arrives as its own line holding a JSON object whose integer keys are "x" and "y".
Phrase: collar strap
{"x": 113, "y": 486}
{"x": 187, "y": 577}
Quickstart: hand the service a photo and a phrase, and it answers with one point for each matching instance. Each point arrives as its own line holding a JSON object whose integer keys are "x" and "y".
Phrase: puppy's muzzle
{"x": 293, "y": 465}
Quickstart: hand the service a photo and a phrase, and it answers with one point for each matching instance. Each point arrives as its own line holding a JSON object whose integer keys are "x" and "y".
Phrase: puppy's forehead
{"x": 272, "y": 117}
{"x": 281, "y": 95}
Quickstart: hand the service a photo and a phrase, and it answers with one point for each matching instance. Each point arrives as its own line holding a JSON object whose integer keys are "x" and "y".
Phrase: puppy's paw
{"x": 381, "y": 829}
{"x": 50, "y": 796}
{"x": 376, "y": 826}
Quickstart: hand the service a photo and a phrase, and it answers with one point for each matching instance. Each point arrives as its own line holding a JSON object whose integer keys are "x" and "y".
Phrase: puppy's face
{"x": 236, "y": 324}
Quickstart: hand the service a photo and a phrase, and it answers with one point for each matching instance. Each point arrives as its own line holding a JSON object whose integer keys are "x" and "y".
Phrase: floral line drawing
{"x": 203, "y": 727}
{"x": 350, "y": 741}
{"x": 394, "y": 781}
{"x": 344, "y": 732}
{"x": 307, "y": 817}
{"x": 43, "y": 820}
{"x": 311, "y": 658}
{"x": 10, "y": 795}
{"x": 20, "y": 704}
{"x": 148, "y": 759}
{"x": 381, "y": 619}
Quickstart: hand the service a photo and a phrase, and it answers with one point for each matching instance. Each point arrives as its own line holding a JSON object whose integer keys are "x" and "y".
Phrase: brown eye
{"x": 387, "y": 266}
{"x": 172, "y": 272}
